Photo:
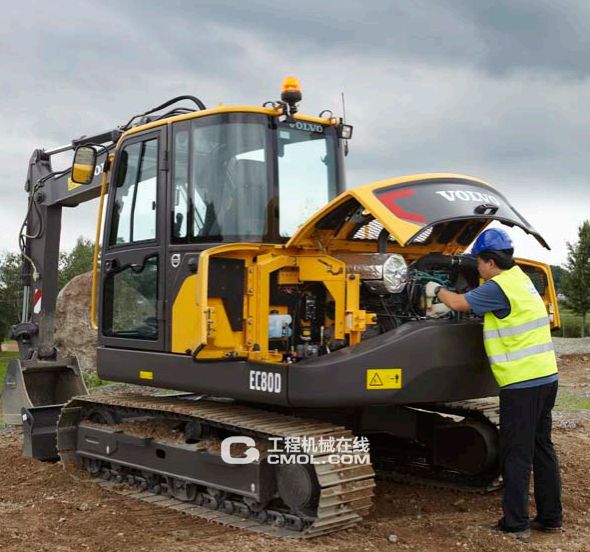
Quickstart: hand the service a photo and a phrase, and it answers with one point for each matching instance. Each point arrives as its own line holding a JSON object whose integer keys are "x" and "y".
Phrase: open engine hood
{"x": 408, "y": 206}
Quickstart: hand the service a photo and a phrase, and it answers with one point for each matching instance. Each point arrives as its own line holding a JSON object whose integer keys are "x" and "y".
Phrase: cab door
{"x": 132, "y": 299}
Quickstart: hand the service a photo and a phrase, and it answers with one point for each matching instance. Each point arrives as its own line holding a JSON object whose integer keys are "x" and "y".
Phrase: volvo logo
{"x": 310, "y": 127}
{"x": 175, "y": 260}
{"x": 468, "y": 195}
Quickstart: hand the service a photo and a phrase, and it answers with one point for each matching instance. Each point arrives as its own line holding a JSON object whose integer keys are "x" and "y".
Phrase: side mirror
{"x": 84, "y": 164}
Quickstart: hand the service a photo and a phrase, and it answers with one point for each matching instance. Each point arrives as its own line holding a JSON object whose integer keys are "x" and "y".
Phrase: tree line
{"x": 72, "y": 263}
{"x": 575, "y": 281}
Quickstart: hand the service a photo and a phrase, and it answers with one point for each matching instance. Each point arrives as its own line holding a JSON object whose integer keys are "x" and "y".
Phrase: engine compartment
{"x": 302, "y": 315}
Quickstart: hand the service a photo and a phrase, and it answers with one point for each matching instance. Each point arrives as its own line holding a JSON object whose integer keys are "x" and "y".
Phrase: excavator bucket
{"x": 34, "y": 394}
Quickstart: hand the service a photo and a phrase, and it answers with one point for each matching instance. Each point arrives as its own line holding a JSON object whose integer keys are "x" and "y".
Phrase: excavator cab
{"x": 179, "y": 189}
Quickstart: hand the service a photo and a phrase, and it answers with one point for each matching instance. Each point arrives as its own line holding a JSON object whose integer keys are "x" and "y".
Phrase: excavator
{"x": 249, "y": 297}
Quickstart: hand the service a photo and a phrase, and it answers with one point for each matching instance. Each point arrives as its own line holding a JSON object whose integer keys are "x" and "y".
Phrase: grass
{"x": 92, "y": 380}
{"x": 4, "y": 358}
{"x": 571, "y": 323}
{"x": 572, "y": 401}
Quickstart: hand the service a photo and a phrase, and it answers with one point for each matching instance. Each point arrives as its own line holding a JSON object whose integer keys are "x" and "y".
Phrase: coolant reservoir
{"x": 381, "y": 273}
{"x": 278, "y": 326}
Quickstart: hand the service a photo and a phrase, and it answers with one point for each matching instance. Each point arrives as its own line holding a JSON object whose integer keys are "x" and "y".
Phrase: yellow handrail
{"x": 93, "y": 313}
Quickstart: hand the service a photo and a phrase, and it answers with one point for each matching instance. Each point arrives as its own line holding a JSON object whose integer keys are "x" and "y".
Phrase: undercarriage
{"x": 165, "y": 449}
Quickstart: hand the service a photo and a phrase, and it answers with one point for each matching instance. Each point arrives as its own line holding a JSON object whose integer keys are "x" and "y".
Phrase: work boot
{"x": 538, "y": 526}
{"x": 519, "y": 534}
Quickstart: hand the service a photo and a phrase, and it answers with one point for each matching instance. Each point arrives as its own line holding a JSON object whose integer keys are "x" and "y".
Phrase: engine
{"x": 390, "y": 287}
{"x": 457, "y": 273}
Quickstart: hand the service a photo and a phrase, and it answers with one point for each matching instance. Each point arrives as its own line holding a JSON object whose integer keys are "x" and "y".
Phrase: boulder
{"x": 73, "y": 332}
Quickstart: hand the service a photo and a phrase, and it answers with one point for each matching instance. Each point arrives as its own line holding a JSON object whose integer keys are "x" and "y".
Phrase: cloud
{"x": 498, "y": 90}
{"x": 532, "y": 35}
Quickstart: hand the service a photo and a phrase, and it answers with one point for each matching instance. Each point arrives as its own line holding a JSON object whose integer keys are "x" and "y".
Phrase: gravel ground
{"x": 572, "y": 345}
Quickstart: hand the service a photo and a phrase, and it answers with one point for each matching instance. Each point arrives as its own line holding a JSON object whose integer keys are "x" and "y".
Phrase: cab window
{"x": 134, "y": 207}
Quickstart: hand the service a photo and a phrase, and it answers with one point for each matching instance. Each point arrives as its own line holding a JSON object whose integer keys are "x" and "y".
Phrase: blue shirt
{"x": 489, "y": 297}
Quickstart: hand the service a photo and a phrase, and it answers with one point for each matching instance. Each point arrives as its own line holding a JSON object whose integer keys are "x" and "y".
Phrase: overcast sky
{"x": 494, "y": 89}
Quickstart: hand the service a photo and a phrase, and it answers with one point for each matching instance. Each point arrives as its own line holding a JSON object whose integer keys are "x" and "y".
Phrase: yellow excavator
{"x": 237, "y": 270}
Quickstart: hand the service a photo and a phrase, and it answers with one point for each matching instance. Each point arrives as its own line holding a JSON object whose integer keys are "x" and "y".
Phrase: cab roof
{"x": 271, "y": 112}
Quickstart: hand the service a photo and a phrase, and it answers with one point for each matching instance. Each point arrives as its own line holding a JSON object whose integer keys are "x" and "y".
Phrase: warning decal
{"x": 72, "y": 185}
{"x": 384, "y": 378}
{"x": 37, "y": 298}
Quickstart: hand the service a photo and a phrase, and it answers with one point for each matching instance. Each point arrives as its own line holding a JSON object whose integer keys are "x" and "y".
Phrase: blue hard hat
{"x": 494, "y": 239}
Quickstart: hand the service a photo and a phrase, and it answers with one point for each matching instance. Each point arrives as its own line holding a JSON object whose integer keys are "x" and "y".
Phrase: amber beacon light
{"x": 291, "y": 93}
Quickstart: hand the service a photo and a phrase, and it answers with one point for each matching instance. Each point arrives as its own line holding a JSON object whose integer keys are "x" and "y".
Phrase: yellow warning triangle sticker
{"x": 376, "y": 381}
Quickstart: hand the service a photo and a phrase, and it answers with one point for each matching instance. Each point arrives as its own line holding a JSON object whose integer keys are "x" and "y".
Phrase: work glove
{"x": 429, "y": 289}
{"x": 434, "y": 308}
{"x": 438, "y": 310}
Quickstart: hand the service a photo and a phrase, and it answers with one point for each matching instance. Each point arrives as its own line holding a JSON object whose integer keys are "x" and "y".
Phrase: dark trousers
{"x": 525, "y": 442}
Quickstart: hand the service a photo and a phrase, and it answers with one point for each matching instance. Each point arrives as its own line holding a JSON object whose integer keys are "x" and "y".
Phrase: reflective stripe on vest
{"x": 519, "y": 347}
{"x": 515, "y": 330}
{"x": 523, "y": 353}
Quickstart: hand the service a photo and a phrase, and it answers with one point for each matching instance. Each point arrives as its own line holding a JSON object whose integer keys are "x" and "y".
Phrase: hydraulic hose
{"x": 440, "y": 260}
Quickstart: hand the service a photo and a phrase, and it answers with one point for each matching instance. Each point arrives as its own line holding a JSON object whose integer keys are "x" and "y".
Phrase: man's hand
{"x": 438, "y": 310}
{"x": 430, "y": 289}
{"x": 455, "y": 301}
{"x": 434, "y": 308}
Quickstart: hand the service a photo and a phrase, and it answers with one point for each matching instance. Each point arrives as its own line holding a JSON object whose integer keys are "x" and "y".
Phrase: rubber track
{"x": 346, "y": 491}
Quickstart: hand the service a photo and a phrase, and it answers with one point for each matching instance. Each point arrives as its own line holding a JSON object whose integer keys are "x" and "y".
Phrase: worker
{"x": 518, "y": 344}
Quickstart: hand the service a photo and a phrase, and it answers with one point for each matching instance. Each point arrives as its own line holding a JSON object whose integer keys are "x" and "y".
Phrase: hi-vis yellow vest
{"x": 519, "y": 346}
